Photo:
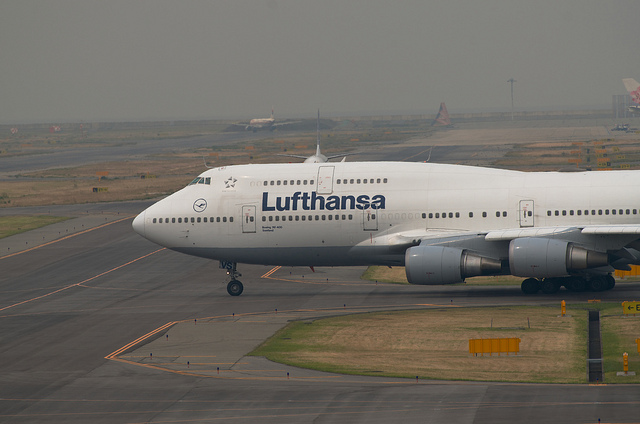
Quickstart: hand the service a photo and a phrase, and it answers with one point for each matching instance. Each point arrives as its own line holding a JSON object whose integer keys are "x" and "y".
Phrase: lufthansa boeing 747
{"x": 443, "y": 223}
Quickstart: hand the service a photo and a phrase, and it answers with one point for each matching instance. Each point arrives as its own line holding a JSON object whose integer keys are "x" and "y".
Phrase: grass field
{"x": 433, "y": 344}
{"x": 10, "y": 225}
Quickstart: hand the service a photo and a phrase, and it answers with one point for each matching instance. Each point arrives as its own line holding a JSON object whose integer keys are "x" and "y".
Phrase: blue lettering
{"x": 313, "y": 201}
{"x": 265, "y": 201}
{"x": 287, "y": 202}
{"x": 333, "y": 203}
{"x": 363, "y": 202}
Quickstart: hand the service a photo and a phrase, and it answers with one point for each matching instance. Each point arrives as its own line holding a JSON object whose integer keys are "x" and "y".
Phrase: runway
{"x": 72, "y": 310}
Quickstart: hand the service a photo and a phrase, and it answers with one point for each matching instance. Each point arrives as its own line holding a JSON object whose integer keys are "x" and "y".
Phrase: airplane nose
{"x": 138, "y": 224}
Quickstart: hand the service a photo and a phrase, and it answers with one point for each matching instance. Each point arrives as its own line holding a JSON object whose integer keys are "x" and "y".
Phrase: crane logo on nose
{"x": 200, "y": 205}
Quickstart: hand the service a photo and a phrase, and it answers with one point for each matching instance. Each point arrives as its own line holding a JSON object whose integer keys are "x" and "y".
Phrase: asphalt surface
{"x": 99, "y": 325}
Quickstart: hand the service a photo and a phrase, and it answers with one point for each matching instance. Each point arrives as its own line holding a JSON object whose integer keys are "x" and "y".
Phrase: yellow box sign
{"x": 491, "y": 346}
{"x": 631, "y": 308}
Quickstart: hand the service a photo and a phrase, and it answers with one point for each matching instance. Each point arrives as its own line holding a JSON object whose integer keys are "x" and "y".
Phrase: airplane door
{"x": 370, "y": 220}
{"x": 325, "y": 180}
{"x": 248, "y": 219}
{"x": 526, "y": 213}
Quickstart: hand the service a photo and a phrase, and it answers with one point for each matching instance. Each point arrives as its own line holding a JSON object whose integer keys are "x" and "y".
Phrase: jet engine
{"x": 445, "y": 265}
{"x": 546, "y": 258}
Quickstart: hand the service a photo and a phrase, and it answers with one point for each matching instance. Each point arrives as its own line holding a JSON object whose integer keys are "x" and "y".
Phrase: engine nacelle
{"x": 546, "y": 258}
{"x": 445, "y": 265}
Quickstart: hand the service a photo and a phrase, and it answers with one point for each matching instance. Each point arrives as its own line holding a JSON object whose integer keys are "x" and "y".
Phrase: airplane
{"x": 442, "y": 118}
{"x": 266, "y": 123}
{"x": 443, "y": 223}
{"x": 633, "y": 87}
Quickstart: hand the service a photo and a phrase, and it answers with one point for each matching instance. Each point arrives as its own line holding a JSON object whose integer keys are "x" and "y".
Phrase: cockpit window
{"x": 201, "y": 180}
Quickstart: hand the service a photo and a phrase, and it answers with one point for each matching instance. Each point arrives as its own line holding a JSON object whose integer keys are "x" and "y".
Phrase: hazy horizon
{"x": 96, "y": 61}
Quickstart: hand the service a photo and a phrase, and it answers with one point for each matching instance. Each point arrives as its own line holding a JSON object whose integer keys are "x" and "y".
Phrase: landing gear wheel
{"x": 576, "y": 284}
{"x": 597, "y": 284}
{"x": 611, "y": 282}
{"x": 530, "y": 286}
{"x": 235, "y": 288}
{"x": 550, "y": 286}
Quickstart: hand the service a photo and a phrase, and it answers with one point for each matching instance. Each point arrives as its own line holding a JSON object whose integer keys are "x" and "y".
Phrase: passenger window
{"x": 504, "y": 214}
{"x": 224, "y": 219}
{"x": 484, "y": 214}
{"x": 351, "y": 181}
{"x": 384, "y": 181}
{"x": 470, "y": 214}
{"x": 199, "y": 219}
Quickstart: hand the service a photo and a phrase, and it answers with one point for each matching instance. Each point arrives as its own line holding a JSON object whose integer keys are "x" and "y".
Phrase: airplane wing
{"x": 618, "y": 241}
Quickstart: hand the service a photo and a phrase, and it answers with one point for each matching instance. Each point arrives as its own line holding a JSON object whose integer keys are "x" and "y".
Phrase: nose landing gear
{"x": 234, "y": 287}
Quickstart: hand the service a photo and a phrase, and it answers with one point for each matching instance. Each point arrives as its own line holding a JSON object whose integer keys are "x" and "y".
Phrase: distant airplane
{"x": 633, "y": 87}
{"x": 266, "y": 123}
{"x": 443, "y": 117}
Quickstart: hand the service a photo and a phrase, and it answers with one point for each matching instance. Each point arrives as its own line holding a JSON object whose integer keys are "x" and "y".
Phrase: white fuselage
{"x": 367, "y": 213}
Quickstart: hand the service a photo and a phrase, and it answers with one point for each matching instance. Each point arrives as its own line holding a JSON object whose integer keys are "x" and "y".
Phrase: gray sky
{"x": 90, "y": 60}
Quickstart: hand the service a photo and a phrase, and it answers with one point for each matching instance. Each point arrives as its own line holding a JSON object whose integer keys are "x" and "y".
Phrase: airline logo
{"x": 313, "y": 202}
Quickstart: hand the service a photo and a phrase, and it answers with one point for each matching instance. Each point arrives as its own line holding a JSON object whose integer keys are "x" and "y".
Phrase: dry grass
{"x": 434, "y": 344}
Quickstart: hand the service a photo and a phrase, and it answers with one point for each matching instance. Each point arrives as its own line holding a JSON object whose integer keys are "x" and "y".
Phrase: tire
{"x": 550, "y": 286}
{"x": 530, "y": 286}
{"x": 597, "y": 284}
{"x": 235, "y": 288}
{"x": 576, "y": 284}
{"x": 611, "y": 282}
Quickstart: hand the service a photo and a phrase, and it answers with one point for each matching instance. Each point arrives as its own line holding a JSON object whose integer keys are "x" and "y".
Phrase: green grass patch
{"x": 11, "y": 225}
{"x": 434, "y": 344}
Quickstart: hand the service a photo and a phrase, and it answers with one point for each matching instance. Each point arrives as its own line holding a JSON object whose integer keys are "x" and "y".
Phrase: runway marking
{"x": 80, "y": 284}
{"x": 271, "y": 271}
{"x": 419, "y": 153}
{"x": 66, "y": 237}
